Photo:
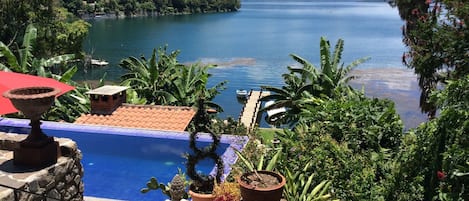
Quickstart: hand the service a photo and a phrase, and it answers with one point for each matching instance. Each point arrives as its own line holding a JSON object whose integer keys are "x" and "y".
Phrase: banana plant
{"x": 150, "y": 78}
{"x": 24, "y": 61}
{"x": 71, "y": 105}
{"x": 329, "y": 80}
{"x": 163, "y": 80}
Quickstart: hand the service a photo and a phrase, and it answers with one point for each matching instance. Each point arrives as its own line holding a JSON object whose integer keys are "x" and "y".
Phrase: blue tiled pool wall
{"x": 105, "y": 140}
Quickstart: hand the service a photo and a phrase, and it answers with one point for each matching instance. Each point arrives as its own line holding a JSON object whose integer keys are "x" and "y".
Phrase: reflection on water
{"x": 396, "y": 84}
{"x": 231, "y": 62}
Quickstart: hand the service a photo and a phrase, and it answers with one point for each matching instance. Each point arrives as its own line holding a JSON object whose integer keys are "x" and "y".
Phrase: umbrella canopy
{"x": 10, "y": 80}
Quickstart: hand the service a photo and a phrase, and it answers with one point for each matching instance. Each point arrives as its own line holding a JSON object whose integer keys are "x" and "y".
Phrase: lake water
{"x": 252, "y": 46}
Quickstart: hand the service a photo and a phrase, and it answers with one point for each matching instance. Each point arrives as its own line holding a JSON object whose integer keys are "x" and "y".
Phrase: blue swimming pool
{"x": 118, "y": 162}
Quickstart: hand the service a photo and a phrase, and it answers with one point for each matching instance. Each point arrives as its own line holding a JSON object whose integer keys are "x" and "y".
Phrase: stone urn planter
{"x": 38, "y": 149}
{"x": 269, "y": 187}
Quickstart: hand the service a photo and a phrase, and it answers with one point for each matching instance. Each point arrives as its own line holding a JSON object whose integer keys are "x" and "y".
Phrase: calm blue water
{"x": 253, "y": 44}
{"x": 118, "y": 166}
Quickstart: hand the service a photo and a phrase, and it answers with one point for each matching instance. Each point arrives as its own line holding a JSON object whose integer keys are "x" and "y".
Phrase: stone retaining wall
{"x": 61, "y": 181}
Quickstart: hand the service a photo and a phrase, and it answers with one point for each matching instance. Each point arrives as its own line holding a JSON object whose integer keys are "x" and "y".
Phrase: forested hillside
{"x": 148, "y": 7}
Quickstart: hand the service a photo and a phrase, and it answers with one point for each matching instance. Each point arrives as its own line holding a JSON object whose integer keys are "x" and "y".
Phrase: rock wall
{"x": 61, "y": 181}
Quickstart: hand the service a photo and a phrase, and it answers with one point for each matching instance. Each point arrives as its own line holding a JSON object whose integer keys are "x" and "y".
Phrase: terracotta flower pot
{"x": 201, "y": 197}
{"x": 255, "y": 193}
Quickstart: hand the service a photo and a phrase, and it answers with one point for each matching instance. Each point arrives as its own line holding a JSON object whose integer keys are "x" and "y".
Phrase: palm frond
{"x": 337, "y": 56}
{"x": 325, "y": 59}
{"x": 300, "y": 60}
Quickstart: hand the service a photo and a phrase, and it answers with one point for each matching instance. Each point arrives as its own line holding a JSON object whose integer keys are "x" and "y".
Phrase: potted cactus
{"x": 175, "y": 190}
{"x": 202, "y": 185}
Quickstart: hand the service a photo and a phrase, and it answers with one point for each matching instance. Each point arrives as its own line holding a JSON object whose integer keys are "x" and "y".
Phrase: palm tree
{"x": 308, "y": 84}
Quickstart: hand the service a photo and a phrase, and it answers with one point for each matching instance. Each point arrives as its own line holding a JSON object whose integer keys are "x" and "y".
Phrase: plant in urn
{"x": 37, "y": 149}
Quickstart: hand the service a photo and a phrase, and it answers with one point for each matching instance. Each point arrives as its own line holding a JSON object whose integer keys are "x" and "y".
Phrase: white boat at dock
{"x": 98, "y": 62}
{"x": 273, "y": 112}
{"x": 242, "y": 93}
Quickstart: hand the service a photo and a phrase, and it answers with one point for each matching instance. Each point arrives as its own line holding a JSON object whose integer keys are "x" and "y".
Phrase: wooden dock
{"x": 250, "y": 112}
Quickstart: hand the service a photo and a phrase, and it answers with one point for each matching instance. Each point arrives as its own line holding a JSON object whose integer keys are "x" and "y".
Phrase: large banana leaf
{"x": 26, "y": 54}
{"x": 58, "y": 60}
{"x": 11, "y": 60}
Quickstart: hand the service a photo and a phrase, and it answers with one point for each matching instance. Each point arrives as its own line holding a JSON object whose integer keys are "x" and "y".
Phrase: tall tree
{"x": 437, "y": 38}
{"x": 59, "y": 32}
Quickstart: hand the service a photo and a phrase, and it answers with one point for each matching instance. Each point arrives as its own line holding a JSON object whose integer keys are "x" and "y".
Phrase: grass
{"x": 268, "y": 134}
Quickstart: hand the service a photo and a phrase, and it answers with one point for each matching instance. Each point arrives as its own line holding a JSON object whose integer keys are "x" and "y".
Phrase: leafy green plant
{"x": 300, "y": 187}
{"x": 228, "y": 126}
{"x": 435, "y": 33}
{"x": 434, "y": 156}
{"x": 24, "y": 61}
{"x": 363, "y": 123}
{"x": 270, "y": 163}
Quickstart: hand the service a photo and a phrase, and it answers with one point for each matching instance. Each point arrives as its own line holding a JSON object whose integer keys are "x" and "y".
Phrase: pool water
{"x": 117, "y": 165}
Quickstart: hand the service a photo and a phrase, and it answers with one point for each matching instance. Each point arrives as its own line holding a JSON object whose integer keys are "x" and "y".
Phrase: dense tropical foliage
{"x": 352, "y": 141}
{"x": 434, "y": 160}
{"x": 58, "y": 32}
{"x": 358, "y": 144}
{"x": 162, "y": 80}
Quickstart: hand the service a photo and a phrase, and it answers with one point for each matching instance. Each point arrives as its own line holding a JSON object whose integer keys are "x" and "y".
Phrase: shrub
{"x": 350, "y": 142}
{"x": 364, "y": 123}
{"x": 435, "y": 156}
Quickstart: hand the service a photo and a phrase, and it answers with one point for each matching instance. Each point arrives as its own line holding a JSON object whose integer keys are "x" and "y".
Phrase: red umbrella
{"x": 10, "y": 80}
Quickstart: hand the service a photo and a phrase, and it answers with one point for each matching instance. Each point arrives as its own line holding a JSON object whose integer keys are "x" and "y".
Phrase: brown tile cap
{"x": 157, "y": 117}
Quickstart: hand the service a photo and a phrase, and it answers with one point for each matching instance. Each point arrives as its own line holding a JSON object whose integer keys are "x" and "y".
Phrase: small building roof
{"x": 156, "y": 117}
{"x": 107, "y": 90}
